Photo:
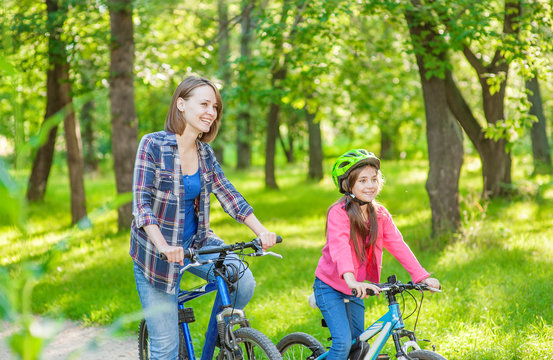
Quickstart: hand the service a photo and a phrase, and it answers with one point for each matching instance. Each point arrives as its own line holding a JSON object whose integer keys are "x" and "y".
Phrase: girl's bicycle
{"x": 302, "y": 346}
{"x": 229, "y": 327}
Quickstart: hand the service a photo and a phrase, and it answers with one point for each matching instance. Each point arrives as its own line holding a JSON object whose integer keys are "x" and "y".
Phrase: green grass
{"x": 496, "y": 275}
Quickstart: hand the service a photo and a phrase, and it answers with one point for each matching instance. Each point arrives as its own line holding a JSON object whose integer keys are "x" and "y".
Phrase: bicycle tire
{"x": 144, "y": 343}
{"x": 255, "y": 345}
{"x": 425, "y": 355}
{"x": 300, "y": 346}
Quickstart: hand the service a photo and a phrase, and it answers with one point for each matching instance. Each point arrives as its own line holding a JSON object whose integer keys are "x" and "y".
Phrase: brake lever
{"x": 194, "y": 264}
{"x": 265, "y": 253}
{"x": 270, "y": 253}
{"x": 426, "y": 287}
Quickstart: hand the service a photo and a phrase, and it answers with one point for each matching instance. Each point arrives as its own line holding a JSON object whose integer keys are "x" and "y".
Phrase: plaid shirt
{"x": 158, "y": 198}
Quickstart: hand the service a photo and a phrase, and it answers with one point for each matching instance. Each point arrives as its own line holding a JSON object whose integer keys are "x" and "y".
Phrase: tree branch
{"x": 229, "y": 26}
{"x": 297, "y": 20}
{"x": 461, "y": 111}
{"x": 510, "y": 27}
{"x": 474, "y": 61}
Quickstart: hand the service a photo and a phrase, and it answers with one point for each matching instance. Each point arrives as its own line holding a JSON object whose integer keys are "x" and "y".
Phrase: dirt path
{"x": 77, "y": 342}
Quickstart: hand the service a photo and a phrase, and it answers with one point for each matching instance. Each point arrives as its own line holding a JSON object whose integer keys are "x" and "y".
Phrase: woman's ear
{"x": 181, "y": 104}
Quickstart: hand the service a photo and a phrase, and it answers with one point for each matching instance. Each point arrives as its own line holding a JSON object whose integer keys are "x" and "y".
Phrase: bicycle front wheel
{"x": 425, "y": 355}
{"x": 300, "y": 346}
{"x": 144, "y": 343}
{"x": 254, "y": 345}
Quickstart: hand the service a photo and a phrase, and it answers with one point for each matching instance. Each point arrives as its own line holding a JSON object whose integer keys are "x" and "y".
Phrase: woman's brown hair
{"x": 175, "y": 118}
{"x": 358, "y": 222}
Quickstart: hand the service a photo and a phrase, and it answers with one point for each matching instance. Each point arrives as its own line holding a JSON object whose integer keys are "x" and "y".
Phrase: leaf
{"x": 6, "y": 67}
{"x": 27, "y": 346}
{"x": 13, "y": 205}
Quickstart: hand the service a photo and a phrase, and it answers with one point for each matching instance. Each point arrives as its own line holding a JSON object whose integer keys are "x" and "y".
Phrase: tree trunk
{"x": 278, "y": 74}
{"x": 288, "y": 150}
{"x": 74, "y": 151}
{"x": 315, "y": 171}
{"x": 496, "y": 161}
{"x": 272, "y": 134}
{"x": 540, "y": 143}
{"x": 244, "y": 131}
{"x": 45, "y": 154}
{"x": 444, "y": 137}
{"x": 59, "y": 98}
{"x": 224, "y": 51}
{"x": 87, "y": 121}
{"x": 124, "y": 125}
{"x": 445, "y": 157}
{"x": 290, "y": 159}
{"x": 87, "y": 117}
{"x": 387, "y": 143}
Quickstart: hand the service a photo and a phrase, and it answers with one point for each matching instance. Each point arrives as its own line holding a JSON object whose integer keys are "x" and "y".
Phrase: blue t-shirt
{"x": 192, "y": 187}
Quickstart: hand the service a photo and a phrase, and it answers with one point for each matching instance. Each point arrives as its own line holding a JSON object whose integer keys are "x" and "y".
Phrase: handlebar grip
{"x": 279, "y": 239}
{"x": 369, "y": 292}
{"x": 187, "y": 255}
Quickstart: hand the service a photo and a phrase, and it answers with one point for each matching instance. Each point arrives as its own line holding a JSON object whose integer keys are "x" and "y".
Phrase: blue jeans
{"x": 161, "y": 311}
{"x": 345, "y": 320}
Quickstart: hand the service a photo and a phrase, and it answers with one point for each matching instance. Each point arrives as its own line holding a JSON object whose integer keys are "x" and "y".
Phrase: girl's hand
{"x": 174, "y": 253}
{"x": 268, "y": 239}
{"x": 360, "y": 287}
{"x": 431, "y": 282}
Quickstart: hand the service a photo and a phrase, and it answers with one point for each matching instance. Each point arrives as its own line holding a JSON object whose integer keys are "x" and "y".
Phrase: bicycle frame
{"x": 222, "y": 301}
{"x": 223, "y": 315}
{"x": 390, "y": 324}
{"x": 387, "y": 325}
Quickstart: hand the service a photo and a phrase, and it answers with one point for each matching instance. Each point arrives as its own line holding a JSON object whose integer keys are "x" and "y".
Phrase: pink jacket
{"x": 339, "y": 256}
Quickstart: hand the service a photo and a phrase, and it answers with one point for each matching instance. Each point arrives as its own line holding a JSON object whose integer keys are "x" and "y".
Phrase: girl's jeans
{"x": 345, "y": 320}
{"x": 161, "y": 312}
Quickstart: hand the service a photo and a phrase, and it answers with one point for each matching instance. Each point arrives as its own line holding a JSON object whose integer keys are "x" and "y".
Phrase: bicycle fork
{"x": 227, "y": 319}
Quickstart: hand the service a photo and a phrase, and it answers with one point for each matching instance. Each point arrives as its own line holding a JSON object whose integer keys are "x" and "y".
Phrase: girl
{"x": 357, "y": 229}
{"x": 175, "y": 172}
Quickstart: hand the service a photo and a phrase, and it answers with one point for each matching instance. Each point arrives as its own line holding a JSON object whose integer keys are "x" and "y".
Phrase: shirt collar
{"x": 171, "y": 139}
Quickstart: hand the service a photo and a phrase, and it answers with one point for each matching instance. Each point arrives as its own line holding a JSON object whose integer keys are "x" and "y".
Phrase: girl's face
{"x": 367, "y": 185}
{"x": 200, "y": 109}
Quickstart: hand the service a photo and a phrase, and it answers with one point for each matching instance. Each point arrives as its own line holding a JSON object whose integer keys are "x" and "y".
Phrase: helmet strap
{"x": 350, "y": 195}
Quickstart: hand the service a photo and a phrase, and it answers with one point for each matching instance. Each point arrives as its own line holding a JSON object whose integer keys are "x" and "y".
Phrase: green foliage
{"x": 14, "y": 207}
{"x": 494, "y": 275}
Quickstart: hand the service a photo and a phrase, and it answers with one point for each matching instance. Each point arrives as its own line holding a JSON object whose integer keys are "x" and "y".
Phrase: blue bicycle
{"x": 235, "y": 338}
{"x": 302, "y": 346}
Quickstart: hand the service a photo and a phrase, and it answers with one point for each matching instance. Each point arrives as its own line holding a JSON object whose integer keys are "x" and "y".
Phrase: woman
{"x": 357, "y": 229}
{"x": 175, "y": 172}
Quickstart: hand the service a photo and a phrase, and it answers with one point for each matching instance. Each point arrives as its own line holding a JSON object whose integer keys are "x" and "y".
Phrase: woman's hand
{"x": 174, "y": 253}
{"x": 360, "y": 287}
{"x": 267, "y": 238}
{"x": 431, "y": 282}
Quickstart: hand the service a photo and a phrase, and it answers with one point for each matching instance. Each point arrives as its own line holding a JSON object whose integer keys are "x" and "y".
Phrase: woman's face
{"x": 366, "y": 187}
{"x": 200, "y": 109}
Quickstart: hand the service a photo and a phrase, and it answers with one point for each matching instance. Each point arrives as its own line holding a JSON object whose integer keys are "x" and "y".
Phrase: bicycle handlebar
{"x": 398, "y": 287}
{"x": 254, "y": 244}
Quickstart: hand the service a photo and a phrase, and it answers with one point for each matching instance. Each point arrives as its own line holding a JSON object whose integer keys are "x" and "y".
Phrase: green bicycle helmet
{"x": 350, "y": 160}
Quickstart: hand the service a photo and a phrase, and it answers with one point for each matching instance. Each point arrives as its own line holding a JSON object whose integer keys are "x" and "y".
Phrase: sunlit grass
{"x": 496, "y": 275}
